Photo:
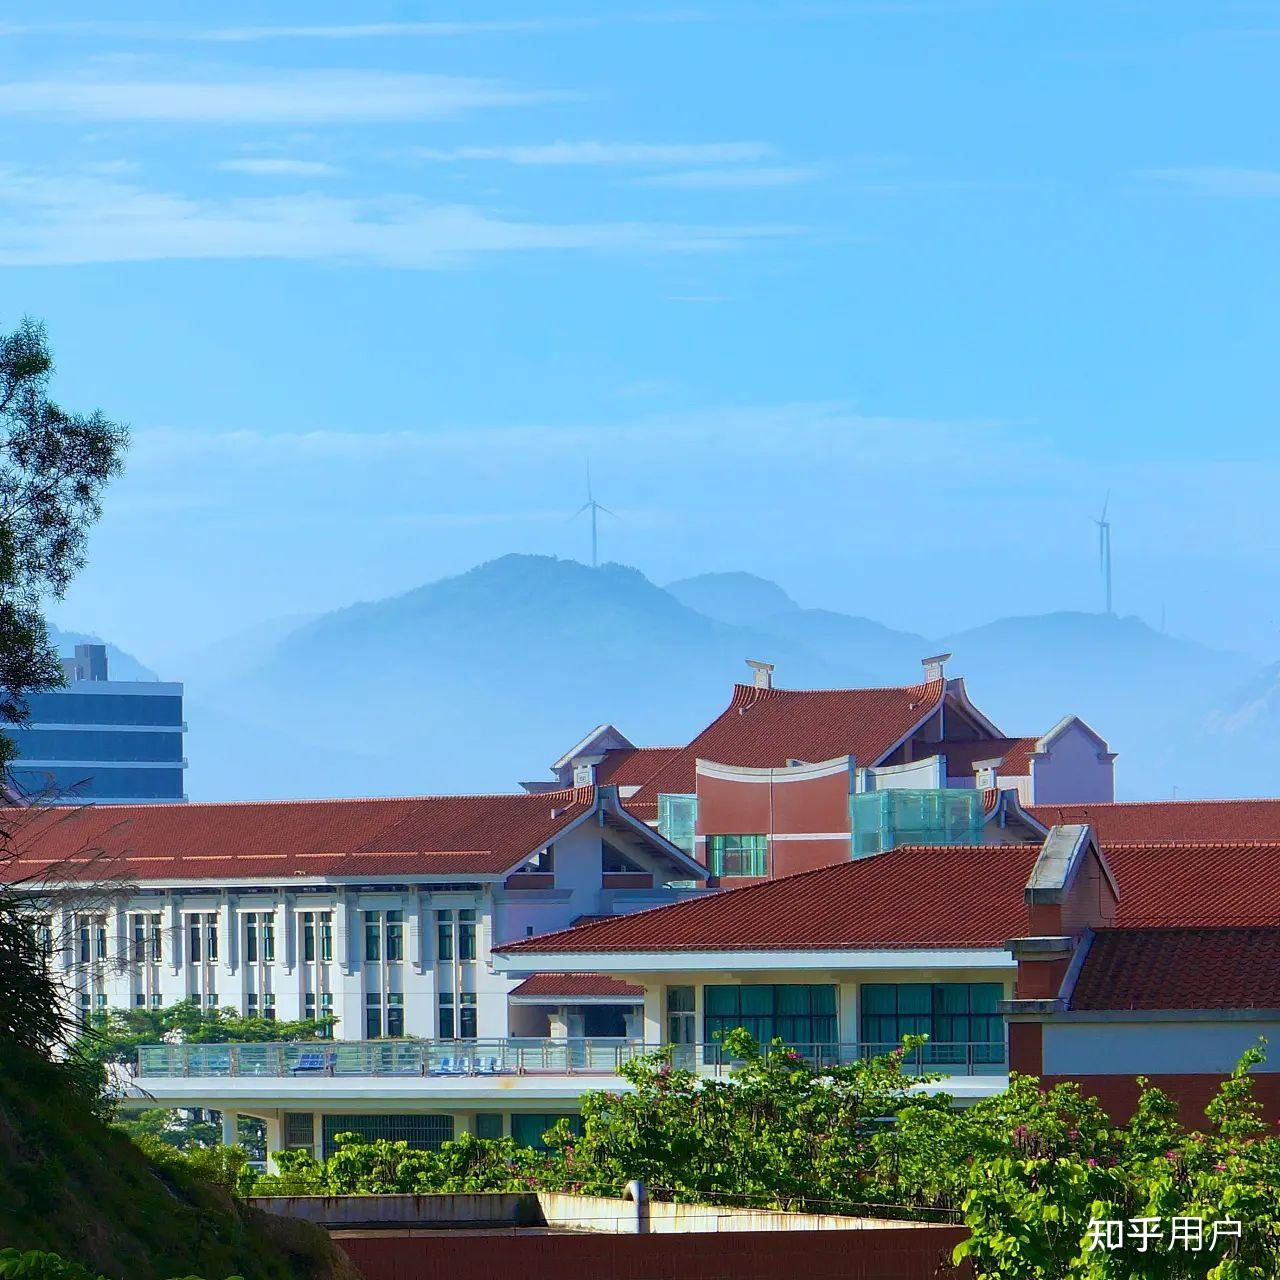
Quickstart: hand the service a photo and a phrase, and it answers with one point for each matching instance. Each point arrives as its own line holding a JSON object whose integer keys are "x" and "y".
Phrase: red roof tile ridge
{"x": 781, "y": 691}
{"x": 1224, "y": 843}
{"x": 1135, "y": 804}
{"x": 189, "y": 806}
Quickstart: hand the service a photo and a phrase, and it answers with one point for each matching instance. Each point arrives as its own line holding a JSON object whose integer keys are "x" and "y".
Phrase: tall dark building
{"x": 99, "y": 740}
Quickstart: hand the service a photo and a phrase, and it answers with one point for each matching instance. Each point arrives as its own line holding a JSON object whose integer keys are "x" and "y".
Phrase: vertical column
{"x": 274, "y": 1138}
{"x": 230, "y": 1128}
{"x": 288, "y": 973}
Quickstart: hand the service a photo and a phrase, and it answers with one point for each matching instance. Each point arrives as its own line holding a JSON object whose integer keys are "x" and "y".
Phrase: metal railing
{"x": 458, "y": 1058}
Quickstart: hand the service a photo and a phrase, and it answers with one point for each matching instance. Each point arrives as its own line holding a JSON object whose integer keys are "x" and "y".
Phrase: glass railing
{"x": 531, "y": 1056}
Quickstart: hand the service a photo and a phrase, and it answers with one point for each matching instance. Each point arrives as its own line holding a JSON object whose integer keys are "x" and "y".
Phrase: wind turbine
{"x": 1104, "y": 548}
{"x": 595, "y": 508}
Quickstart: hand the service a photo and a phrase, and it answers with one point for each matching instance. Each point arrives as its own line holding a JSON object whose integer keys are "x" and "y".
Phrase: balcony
{"x": 480, "y": 1059}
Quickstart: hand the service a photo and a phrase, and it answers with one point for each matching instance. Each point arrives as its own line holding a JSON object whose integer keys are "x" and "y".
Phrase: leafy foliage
{"x": 35, "y": 1265}
{"x": 54, "y": 466}
{"x": 117, "y": 1035}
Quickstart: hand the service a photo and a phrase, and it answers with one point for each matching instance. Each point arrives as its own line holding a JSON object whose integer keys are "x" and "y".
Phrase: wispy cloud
{"x": 49, "y": 220}
{"x": 278, "y": 167}
{"x": 307, "y": 97}
{"x": 1209, "y": 180}
{"x": 607, "y": 153}
{"x": 729, "y": 179}
{"x": 392, "y": 30}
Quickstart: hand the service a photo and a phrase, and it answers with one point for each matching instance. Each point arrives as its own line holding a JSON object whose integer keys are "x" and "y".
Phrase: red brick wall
{"x": 804, "y": 806}
{"x": 1119, "y": 1094}
{"x": 874, "y": 1254}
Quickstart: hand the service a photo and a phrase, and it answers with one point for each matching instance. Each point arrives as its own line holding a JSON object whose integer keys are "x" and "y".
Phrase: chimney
{"x": 934, "y": 667}
{"x": 584, "y": 774}
{"x": 763, "y": 678}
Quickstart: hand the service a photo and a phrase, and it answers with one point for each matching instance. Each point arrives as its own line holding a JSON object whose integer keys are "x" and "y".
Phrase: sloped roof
{"x": 633, "y": 766}
{"x": 937, "y": 897}
{"x": 1181, "y": 969}
{"x": 958, "y": 896}
{"x": 423, "y": 835}
{"x": 1189, "y": 884}
{"x": 1163, "y": 821}
{"x": 764, "y": 728}
{"x": 1013, "y": 753}
{"x": 581, "y": 986}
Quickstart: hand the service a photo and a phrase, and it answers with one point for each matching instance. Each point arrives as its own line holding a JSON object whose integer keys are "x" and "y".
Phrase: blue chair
{"x": 315, "y": 1062}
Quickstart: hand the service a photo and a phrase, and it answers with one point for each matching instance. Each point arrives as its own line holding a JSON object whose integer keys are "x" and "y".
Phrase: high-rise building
{"x": 98, "y": 740}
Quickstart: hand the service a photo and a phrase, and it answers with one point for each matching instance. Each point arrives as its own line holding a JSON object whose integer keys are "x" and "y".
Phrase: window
{"x": 139, "y": 998}
{"x": 326, "y": 936}
{"x": 448, "y": 1028}
{"x": 527, "y": 1130}
{"x": 395, "y": 1015}
{"x": 682, "y": 1024}
{"x": 156, "y": 937}
{"x": 309, "y": 1005}
{"x": 737, "y": 855}
{"x": 444, "y": 935}
{"x": 251, "y": 938}
{"x": 44, "y": 936}
{"x": 677, "y": 819}
{"x": 299, "y": 1130}
{"x": 489, "y": 1124}
{"x": 211, "y": 936}
{"x": 326, "y": 1011}
{"x": 202, "y": 930}
{"x": 139, "y": 951}
{"x": 251, "y": 1005}
{"x": 952, "y": 1014}
{"x": 269, "y": 1007}
{"x": 83, "y": 950}
{"x": 395, "y": 935}
{"x": 799, "y": 1014}
{"x": 268, "y": 920}
{"x": 260, "y": 937}
{"x": 466, "y": 935}
{"x": 156, "y": 1001}
{"x": 421, "y": 1130}
{"x": 194, "y": 931}
{"x": 372, "y": 936}
{"x": 373, "y": 1016}
{"x": 308, "y": 938}
{"x": 467, "y": 1016}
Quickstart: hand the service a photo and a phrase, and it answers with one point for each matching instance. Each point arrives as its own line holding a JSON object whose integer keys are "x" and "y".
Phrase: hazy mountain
{"x": 739, "y": 598}
{"x": 120, "y": 665}
{"x": 1149, "y": 694}
{"x": 479, "y": 680}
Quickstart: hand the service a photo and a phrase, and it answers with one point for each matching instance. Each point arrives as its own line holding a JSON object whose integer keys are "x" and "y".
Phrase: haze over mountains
{"x": 477, "y": 681}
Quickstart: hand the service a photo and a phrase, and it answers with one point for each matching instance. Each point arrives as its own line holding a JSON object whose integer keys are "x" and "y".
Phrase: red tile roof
{"x": 578, "y": 985}
{"x": 1202, "y": 885}
{"x": 969, "y": 896}
{"x": 1162, "y": 821}
{"x": 1013, "y": 753}
{"x": 418, "y": 836}
{"x": 633, "y": 766}
{"x": 1181, "y": 969}
{"x": 957, "y": 896}
{"x": 764, "y": 728}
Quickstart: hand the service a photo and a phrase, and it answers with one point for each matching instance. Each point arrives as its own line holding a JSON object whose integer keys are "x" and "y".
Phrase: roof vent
{"x": 934, "y": 667}
{"x": 763, "y": 678}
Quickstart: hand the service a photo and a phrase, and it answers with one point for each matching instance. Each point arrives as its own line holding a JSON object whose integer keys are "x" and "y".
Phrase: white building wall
{"x": 1150, "y": 1047}
{"x": 1076, "y": 769}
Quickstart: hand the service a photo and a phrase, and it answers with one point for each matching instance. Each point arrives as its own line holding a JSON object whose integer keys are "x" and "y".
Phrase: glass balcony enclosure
{"x": 883, "y": 820}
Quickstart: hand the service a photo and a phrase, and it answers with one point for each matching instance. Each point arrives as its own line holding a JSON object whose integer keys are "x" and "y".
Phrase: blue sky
{"x": 876, "y": 299}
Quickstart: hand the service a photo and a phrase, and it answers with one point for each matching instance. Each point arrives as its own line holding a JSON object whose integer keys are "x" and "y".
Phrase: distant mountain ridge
{"x": 480, "y": 679}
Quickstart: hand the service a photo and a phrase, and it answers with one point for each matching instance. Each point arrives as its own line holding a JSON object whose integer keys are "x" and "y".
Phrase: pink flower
{"x": 1220, "y": 1167}
{"x": 1073, "y": 1134}
{"x": 1093, "y": 1164}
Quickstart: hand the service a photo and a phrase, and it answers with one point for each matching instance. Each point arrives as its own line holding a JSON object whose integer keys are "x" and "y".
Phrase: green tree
{"x": 54, "y": 466}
